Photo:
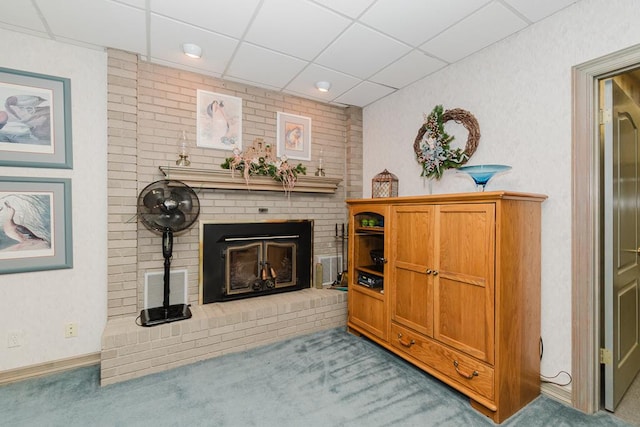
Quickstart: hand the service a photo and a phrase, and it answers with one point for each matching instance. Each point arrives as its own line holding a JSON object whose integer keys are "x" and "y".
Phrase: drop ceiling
{"x": 366, "y": 49}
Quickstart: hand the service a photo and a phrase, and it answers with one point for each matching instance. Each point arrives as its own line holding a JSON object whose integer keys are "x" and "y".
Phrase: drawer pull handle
{"x": 435, "y": 272}
{"x": 404, "y": 343}
{"x": 429, "y": 271}
{"x": 467, "y": 376}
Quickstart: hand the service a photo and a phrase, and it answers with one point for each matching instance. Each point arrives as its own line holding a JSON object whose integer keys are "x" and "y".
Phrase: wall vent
{"x": 331, "y": 266}
{"x": 154, "y": 288}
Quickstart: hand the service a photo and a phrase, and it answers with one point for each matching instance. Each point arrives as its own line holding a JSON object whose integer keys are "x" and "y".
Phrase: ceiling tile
{"x": 535, "y": 11}
{"x": 167, "y": 37}
{"x": 99, "y": 22}
{"x": 364, "y": 94}
{"x": 415, "y": 22}
{"x": 489, "y": 25}
{"x": 252, "y": 83}
{"x": 361, "y": 52}
{"x": 298, "y": 28}
{"x": 140, "y": 4}
{"x": 351, "y": 8}
{"x": 222, "y": 16}
{"x": 408, "y": 69}
{"x": 255, "y": 64}
{"x": 305, "y": 83}
{"x": 22, "y": 14}
{"x": 193, "y": 66}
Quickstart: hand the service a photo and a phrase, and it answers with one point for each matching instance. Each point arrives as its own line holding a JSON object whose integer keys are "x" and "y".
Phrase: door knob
{"x": 635, "y": 251}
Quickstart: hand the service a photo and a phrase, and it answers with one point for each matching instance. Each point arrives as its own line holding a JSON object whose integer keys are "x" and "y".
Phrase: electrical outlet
{"x": 71, "y": 330}
{"x": 14, "y": 339}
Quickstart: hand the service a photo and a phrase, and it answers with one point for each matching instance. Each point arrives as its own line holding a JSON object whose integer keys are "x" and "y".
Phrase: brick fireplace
{"x": 270, "y": 301}
{"x": 149, "y": 106}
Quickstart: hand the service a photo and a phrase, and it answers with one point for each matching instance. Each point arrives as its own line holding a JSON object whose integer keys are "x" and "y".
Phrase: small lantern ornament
{"x": 385, "y": 184}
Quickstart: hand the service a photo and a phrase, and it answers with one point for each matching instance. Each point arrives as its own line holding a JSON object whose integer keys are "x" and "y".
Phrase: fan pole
{"x": 167, "y": 252}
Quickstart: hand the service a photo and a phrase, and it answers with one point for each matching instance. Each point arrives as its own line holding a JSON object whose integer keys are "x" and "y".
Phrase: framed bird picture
{"x": 294, "y": 136}
{"x": 35, "y": 120}
{"x": 35, "y": 224}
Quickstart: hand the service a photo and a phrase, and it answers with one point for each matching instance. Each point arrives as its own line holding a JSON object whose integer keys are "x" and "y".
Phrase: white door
{"x": 621, "y": 241}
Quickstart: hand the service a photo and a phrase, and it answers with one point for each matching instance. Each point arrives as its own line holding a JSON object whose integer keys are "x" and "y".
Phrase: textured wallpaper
{"x": 519, "y": 90}
{"x": 39, "y": 304}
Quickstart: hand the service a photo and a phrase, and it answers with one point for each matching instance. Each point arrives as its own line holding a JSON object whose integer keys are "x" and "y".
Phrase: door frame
{"x": 585, "y": 228}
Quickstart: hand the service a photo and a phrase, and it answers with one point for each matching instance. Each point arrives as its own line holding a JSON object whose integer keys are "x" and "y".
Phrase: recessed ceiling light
{"x": 192, "y": 50}
{"x": 323, "y": 86}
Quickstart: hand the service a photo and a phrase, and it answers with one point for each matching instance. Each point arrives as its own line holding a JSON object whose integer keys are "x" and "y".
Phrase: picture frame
{"x": 35, "y": 230}
{"x": 294, "y": 136}
{"x": 218, "y": 121}
{"x": 35, "y": 120}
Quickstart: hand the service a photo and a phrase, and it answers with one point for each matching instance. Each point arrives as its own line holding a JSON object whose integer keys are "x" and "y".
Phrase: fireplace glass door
{"x": 243, "y": 268}
{"x": 280, "y": 260}
{"x": 260, "y": 266}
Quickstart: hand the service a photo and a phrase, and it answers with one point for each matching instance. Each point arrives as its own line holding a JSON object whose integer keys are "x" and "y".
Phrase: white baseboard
{"x": 556, "y": 392}
{"x": 42, "y": 369}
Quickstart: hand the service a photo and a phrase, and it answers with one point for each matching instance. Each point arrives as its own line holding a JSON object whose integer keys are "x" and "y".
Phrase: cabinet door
{"x": 464, "y": 281}
{"x": 367, "y": 311}
{"x": 412, "y": 260}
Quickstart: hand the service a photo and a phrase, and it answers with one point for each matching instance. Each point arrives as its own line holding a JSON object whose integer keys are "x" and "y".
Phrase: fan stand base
{"x": 158, "y": 315}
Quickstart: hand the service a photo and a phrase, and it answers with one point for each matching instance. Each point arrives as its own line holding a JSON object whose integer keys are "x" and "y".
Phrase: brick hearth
{"x": 131, "y": 351}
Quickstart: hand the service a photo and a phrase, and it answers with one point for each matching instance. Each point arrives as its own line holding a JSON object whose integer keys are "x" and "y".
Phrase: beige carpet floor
{"x": 629, "y": 408}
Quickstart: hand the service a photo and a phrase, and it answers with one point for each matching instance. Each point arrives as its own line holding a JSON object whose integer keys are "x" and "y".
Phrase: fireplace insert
{"x": 242, "y": 260}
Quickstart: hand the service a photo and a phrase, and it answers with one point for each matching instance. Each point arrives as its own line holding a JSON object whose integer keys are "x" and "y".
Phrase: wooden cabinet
{"x": 461, "y": 292}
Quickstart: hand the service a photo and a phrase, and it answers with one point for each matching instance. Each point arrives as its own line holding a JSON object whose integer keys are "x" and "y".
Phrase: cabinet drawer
{"x": 457, "y": 367}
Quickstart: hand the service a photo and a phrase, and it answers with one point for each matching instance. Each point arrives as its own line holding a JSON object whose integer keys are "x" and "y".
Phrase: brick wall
{"x": 149, "y": 106}
{"x": 122, "y": 131}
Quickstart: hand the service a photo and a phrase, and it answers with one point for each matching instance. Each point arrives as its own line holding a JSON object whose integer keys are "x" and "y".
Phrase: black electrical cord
{"x": 548, "y": 379}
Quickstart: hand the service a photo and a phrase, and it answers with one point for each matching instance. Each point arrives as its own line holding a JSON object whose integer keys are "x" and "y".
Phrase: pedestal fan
{"x": 167, "y": 206}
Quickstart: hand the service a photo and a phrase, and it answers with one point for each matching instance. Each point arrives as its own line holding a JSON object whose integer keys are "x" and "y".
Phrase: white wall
{"x": 519, "y": 90}
{"x": 40, "y": 303}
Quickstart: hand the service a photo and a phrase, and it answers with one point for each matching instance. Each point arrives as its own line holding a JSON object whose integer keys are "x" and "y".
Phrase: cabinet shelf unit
{"x": 367, "y": 277}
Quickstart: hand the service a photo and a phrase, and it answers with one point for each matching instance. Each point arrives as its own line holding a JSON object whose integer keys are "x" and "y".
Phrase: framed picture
{"x": 294, "y": 136}
{"x": 35, "y": 120}
{"x": 35, "y": 224}
{"x": 218, "y": 121}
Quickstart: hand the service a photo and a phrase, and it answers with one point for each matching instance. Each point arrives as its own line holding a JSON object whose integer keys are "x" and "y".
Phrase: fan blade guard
{"x": 168, "y": 205}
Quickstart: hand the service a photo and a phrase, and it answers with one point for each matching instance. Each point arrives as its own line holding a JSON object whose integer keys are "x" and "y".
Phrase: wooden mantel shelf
{"x": 223, "y": 179}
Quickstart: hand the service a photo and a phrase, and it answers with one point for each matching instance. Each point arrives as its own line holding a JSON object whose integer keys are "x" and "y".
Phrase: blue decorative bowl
{"x": 481, "y": 174}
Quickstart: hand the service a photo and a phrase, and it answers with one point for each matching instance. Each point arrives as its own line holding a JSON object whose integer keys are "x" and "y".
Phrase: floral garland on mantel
{"x": 432, "y": 144}
{"x": 258, "y": 160}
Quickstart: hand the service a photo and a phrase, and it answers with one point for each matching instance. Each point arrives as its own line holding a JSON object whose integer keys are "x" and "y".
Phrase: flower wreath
{"x": 432, "y": 144}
